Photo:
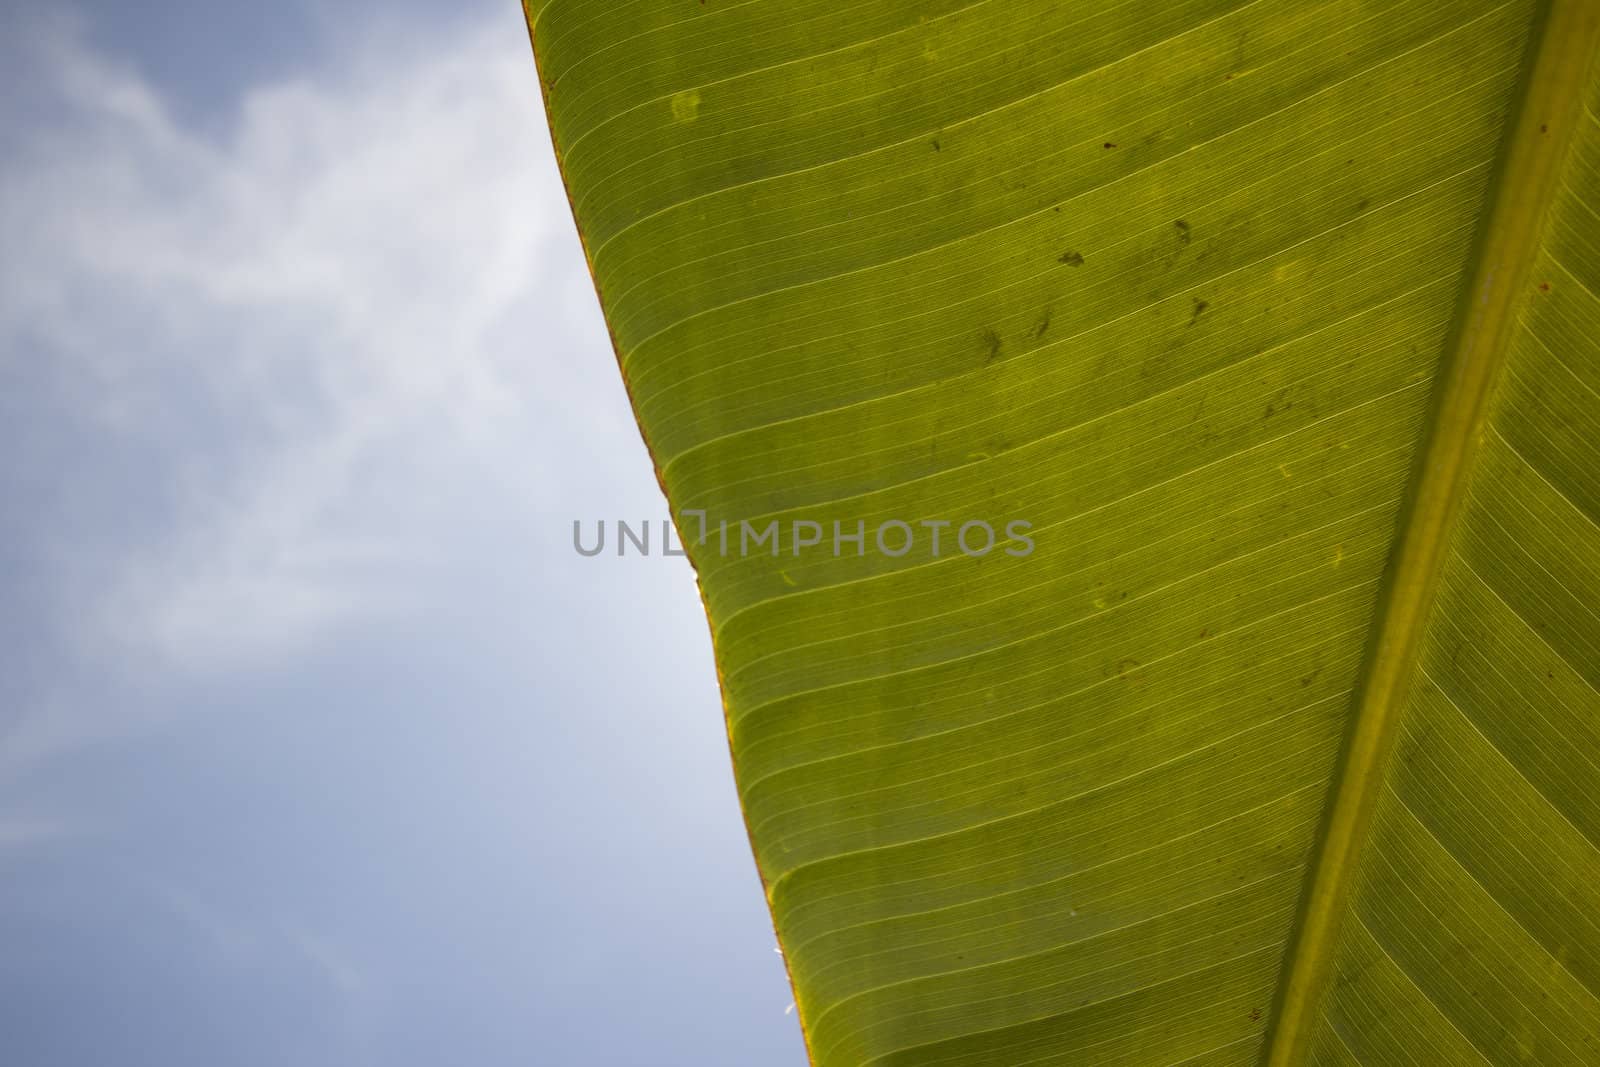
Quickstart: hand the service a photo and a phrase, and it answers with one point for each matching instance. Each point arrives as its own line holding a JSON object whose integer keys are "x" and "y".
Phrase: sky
{"x": 319, "y": 744}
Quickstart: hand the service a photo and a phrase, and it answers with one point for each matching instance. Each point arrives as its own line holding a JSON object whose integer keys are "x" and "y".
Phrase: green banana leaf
{"x": 1263, "y": 338}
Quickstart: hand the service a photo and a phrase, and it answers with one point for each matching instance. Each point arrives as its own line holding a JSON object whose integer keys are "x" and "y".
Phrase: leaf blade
{"x": 839, "y": 297}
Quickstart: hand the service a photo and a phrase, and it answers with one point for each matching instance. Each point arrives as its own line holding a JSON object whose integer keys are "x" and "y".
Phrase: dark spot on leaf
{"x": 1044, "y": 324}
{"x": 1071, "y": 259}
{"x": 1255, "y": 1014}
{"x": 1543, "y": 128}
{"x": 993, "y": 345}
{"x": 1362, "y": 206}
{"x": 1544, "y": 287}
{"x": 1199, "y": 309}
{"x": 1308, "y": 679}
{"x": 1183, "y": 231}
{"x": 935, "y": 143}
{"x": 1108, "y": 144}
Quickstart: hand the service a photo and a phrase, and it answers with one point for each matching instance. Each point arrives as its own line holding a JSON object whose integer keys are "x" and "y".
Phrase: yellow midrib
{"x": 1563, "y": 43}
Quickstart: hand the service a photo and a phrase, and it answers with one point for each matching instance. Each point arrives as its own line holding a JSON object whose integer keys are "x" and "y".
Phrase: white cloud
{"x": 360, "y": 293}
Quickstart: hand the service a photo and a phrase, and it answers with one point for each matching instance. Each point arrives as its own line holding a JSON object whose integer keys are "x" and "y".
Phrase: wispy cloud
{"x": 294, "y": 325}
{"x": 258, "y": 377}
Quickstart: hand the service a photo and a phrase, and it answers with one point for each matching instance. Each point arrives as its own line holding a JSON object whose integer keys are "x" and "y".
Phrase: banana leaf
{"x": 1141, "y": 459}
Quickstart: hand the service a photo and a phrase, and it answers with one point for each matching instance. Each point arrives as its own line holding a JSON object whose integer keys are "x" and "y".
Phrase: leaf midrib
{"x": 1547, "y": 111}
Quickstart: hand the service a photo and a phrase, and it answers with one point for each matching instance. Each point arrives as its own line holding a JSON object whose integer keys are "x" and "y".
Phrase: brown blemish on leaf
{"x": 1183, "y": 231}
{"x": 1199, "y": 309}
{"x": 992, "y": 345}
{"x": 1044, "y": 324}
{"x": 1071, "y": 259}
{"x": 1108, "y": 144}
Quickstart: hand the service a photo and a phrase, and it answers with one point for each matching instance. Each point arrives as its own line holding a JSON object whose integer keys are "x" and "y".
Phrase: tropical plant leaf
{"x": 1279, "y": 323}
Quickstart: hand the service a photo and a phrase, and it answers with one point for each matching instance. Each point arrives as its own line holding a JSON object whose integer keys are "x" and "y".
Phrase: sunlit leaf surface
{"x": 1279, "y": 323}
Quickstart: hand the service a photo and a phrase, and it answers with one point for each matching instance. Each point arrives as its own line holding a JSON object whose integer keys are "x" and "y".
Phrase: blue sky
{"x": 319, "y": 745}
